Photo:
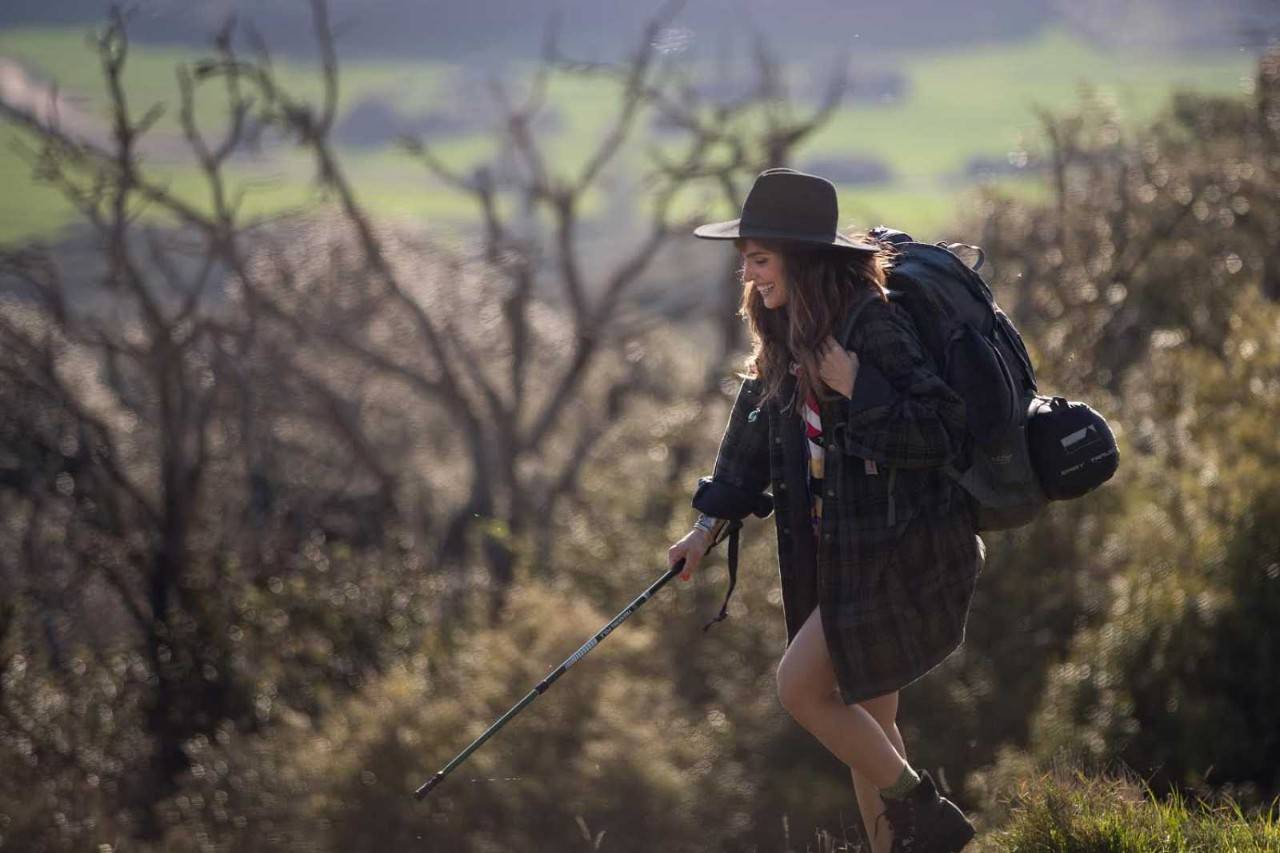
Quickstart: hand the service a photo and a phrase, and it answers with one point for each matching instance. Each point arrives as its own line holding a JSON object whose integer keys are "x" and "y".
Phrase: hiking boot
{"x": 925, "y": 822}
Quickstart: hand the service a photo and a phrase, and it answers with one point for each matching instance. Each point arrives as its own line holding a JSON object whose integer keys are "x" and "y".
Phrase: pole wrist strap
{"x": 729, "y": 531}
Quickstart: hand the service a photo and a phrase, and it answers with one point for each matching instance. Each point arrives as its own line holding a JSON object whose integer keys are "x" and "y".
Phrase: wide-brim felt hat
{"x": 785, "y": 204}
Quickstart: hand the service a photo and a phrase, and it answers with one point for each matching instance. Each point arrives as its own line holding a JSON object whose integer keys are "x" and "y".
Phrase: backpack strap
{"x": 893, "y": 514}
{"x": 851, "y": 320}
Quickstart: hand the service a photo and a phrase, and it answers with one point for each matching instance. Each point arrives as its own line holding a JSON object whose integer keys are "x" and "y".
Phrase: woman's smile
{"x": 769, "y": 277}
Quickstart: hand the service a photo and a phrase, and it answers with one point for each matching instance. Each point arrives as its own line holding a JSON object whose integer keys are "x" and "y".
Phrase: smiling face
{"x": 764, "y": 269}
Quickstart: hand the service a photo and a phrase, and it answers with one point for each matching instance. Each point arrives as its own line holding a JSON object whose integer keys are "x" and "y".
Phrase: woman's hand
{"x": 692, "y": 547}
{"x": 837, "y": 366}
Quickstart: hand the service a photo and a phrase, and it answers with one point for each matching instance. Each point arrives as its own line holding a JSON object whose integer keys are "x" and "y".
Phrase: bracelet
{"x": 709, "y": 524}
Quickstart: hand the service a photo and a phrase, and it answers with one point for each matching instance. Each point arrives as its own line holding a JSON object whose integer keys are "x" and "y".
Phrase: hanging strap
{"x": 732, "y": 529}
{"x": 893, "y": 515}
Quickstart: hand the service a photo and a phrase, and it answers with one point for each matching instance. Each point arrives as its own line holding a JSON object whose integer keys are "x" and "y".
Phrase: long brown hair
{"x": 822, "y": 283}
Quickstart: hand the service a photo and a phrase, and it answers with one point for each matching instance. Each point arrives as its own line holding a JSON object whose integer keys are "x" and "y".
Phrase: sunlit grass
{"x": 68, "y": 57}
{"x": 982, "y": 100}
{"x": 27, "y": 211}
{"x": 1071, "y": 812}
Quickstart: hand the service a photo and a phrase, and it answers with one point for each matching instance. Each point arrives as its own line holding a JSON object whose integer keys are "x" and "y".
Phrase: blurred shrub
{"x": 609, "y": 743}
{"x": 1179, "y": 678}
{"x": 1145, "y": 286}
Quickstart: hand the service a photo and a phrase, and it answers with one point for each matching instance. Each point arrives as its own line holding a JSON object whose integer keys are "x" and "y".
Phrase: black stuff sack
{"x": 1072, "y": 448}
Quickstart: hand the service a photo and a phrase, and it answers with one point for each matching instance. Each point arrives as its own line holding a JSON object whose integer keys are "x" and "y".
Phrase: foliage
{"x": 1144, "y": 286}
{"x": 1169, "y": 676}
{"x": 253, "y": 527}
{"x": 1176, "y": 676}
{"x": 1066, "y": 810}
{"x": 611, "y": 744}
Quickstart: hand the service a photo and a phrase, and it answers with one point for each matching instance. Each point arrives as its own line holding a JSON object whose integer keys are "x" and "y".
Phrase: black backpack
{"x": 1027, "y": 449}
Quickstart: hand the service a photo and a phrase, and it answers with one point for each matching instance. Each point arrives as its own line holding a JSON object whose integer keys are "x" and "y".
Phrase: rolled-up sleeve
{"x": 741, "y": 472}
{"x": 900, "y": 413}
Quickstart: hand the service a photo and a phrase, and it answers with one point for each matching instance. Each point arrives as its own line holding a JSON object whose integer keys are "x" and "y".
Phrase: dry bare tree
{"x": 147, "y": 416}
{"x": 504, "y": 423}
{"x": 718, "y": 148}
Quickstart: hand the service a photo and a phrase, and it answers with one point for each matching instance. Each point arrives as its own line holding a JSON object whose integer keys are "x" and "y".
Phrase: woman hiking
{"x": 877, "y": 547}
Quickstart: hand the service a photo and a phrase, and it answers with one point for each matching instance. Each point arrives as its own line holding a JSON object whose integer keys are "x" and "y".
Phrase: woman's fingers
{"x": 693, "y": 550}
{"x": 837, "y": 366}
{"x": 830, "y": 352}
{"x": 687, "y": 549}
{"x": 833, "y": 352}
{"x": 690, "y": 562}
{"x": 677, "y": 552}
{"x": 674, "y": 553}
{"x": 829, "y": 364}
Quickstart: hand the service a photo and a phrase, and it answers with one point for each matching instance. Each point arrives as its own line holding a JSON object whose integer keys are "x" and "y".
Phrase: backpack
{"x": 1026, "y": 449}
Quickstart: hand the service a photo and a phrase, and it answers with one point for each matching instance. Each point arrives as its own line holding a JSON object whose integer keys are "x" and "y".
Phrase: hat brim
{"x": 730, "y": 230}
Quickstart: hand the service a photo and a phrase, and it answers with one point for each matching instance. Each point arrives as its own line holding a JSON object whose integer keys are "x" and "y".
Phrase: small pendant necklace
{"x": 795, "y": 390}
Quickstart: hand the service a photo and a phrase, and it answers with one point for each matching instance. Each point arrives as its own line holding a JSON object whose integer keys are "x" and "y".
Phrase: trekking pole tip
{"x": 422, "y": 792}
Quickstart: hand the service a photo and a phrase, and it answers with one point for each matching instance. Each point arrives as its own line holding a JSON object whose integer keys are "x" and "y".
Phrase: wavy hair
{"x": 821, "y": 285}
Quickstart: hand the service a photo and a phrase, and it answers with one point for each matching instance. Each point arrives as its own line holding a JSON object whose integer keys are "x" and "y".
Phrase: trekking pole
{"x": 427, "y": 786}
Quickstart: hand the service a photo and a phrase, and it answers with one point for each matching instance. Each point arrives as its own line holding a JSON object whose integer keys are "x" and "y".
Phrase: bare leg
{"x": 806, "y": 688}
{"x": 870, "y": 805}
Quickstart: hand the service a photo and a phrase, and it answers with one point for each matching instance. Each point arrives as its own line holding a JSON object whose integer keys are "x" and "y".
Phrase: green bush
{"x": 1180, "y": 675}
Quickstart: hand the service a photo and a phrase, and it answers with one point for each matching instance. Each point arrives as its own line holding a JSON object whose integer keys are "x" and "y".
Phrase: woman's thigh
{"x": 805, "y": 672}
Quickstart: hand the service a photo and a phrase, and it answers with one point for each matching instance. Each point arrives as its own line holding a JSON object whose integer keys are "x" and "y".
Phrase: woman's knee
{"x": 790, "y": 694}
{"x": 805, "y": 676}
{"x": 796, "y": 692}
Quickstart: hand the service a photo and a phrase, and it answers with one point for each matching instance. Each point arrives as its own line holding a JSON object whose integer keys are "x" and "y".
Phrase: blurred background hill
{"x": 482, "y": 30}
{"x": 939, "y": 101}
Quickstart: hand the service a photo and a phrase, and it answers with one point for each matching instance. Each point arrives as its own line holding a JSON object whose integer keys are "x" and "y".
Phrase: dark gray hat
{"x": 785, "y": 204}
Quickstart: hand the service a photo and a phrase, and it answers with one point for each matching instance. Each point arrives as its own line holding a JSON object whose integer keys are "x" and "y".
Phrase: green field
{"x": 978, "y": 101}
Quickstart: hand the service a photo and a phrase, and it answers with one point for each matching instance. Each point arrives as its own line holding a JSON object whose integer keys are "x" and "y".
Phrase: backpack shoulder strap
{"x": 860, "y": 305}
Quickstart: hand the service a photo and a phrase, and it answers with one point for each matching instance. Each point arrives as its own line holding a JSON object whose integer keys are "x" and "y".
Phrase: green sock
{"x": 903, "y": 786}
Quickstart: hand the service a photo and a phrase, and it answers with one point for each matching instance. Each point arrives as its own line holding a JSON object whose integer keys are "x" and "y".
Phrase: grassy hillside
{"x": 973, "y": 102}
{"x": 1063, "y": 812}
